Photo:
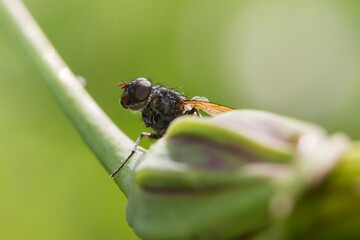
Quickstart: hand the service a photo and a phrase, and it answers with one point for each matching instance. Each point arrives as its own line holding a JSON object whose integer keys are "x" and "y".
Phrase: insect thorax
{"x": 162, "y": 109}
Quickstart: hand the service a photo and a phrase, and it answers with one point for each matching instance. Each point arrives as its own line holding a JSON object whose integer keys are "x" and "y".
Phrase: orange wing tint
{"x": 208, "y": 107}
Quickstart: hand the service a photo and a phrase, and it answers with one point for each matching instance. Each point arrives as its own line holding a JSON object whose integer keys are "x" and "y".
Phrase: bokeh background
{"x": 297, "y": 58}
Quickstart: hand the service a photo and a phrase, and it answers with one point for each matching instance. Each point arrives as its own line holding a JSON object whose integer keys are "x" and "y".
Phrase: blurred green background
{"x": 298, "y": 58}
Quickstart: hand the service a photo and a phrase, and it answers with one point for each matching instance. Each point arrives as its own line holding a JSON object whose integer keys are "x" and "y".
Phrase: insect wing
{"x": 208, "y": 107}
{"x": 201, "y": 99}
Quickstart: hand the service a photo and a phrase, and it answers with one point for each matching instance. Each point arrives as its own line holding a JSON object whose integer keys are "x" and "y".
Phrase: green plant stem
{"x": 110, "y": 145}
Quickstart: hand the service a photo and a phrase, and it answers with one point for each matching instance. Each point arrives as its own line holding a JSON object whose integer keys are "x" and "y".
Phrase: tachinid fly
{"x": 159, "y": 106}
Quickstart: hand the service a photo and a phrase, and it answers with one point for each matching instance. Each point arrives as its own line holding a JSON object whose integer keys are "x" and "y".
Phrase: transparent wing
{"x": 201, "y": 99}
{"x": 208, "y": 107}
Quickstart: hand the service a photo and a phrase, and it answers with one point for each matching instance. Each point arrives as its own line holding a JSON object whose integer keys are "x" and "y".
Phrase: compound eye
{"x": 142, "y": 90}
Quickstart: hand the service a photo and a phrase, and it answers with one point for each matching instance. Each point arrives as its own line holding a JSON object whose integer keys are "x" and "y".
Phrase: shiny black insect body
{"x": 159, "y": 106}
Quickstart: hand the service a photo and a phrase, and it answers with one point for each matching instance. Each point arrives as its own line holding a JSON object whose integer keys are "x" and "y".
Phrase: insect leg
{"x": 192, "y": 111}
{"x": 143, "y": 134}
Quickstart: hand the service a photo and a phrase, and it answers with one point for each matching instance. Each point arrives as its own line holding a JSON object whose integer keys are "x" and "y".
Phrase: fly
{"x": 159, "y": 106}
